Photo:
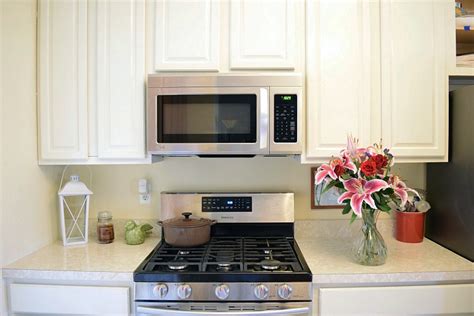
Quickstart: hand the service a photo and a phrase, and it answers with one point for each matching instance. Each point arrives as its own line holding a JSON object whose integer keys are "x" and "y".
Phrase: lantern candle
{"x": 74, "y": 211}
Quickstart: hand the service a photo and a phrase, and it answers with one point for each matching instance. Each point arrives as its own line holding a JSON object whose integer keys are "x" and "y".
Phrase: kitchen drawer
{"x": 397, "y": 300}
{"x": 68, "y": 299}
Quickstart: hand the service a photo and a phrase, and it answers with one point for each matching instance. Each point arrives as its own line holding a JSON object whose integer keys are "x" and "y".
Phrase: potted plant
{"x": 410, "y": 220}
{"x": 367, "y": 187}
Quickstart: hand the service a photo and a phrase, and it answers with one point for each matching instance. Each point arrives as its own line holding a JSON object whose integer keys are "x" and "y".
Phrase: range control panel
{"x": 285, "y": 118}
{"x": 227, "y": 204}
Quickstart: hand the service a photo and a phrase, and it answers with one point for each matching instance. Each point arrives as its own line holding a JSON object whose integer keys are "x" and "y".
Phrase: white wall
{"x": 116, "y": 187}
{"x": 28, "y": 205}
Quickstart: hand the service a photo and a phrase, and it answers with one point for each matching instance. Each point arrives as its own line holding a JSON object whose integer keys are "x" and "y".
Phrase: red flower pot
{"x": 410, "y": 226}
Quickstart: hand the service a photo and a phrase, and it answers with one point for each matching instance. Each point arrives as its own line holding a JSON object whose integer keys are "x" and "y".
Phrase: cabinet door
{"x": 69, "y": 299}
{"x": 262, "y": 34}
{"x": 186, "y": 35}
{"x": 341, "y": 72}
{"x": 120, "y": 78}
{"x": 62, "y": 80}
{"x": 414, "y": 78}
{"x": 397, "y": 300}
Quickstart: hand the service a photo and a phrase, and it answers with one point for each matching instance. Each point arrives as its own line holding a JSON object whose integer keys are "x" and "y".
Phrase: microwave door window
{"x": 223, "y": 118}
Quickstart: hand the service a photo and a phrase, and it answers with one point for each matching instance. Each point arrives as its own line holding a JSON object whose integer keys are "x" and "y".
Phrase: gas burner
{"x": 270, "y": 264}
{"x": 224, "y": 256}
{"x": 177, "y": 265}
{"x": 224, "y": 267}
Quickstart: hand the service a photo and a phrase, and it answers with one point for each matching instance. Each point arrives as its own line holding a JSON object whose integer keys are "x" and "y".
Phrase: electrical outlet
{"x": 145, "y": 198}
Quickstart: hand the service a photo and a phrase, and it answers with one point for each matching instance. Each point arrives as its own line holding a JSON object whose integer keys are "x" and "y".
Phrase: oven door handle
{"x": 164, "y": 312}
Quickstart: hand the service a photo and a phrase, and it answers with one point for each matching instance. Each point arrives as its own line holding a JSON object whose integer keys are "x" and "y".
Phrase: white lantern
{"x": 74, "y": 211}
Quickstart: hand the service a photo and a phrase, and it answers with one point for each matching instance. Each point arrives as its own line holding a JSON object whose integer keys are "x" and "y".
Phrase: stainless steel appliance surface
{"x": 247, "y": 268}
{"x": 225, "y": 114}
{"x": 450, "y": 188}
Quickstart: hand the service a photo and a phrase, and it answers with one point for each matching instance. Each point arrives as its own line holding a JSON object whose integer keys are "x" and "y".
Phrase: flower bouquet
{"x": 367, "y": 187}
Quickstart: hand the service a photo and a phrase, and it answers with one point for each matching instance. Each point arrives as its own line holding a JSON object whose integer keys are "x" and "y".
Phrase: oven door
{"x": 208, "y": 121}
{"x": 223, "y": 309}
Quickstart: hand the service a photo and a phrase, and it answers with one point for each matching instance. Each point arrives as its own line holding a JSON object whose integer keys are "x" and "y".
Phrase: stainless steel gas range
{"x": 251, "y": 266}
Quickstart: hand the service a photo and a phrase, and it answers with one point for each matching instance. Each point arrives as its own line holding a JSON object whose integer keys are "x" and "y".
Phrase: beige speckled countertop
{"x": 93, "y": 261}
{"x": 325, "y": 246}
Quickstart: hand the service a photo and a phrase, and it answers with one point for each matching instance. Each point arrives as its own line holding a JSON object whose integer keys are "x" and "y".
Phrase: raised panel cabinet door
{"x": 262, "y": 34}
{"x": 62, "y": 80}
{"x": 341, "y": 68}
{"x": 414, "y": 78}
{"x": 120, "y": 81}
{"x": 398, "y": 300}
{"x": 49, "y": 299}
{"x": 186, "y": 35}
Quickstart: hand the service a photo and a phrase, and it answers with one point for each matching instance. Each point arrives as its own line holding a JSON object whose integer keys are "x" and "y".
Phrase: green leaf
{"x": 384, "y": 208}
{"x": 377, "y": 198}
{"x": 347, "y": 208}
{"x": 353, "y": 218}
{"x": 329, "y": 186}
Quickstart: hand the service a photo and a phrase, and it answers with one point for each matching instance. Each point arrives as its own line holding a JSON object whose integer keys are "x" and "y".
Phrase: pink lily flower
{"x": 335, "y": 168}
{"x": 323, "y": 171}
{"x": 401, "y": 189}
{"x": 359, "y": 191}
{"x": 352, "y": 149}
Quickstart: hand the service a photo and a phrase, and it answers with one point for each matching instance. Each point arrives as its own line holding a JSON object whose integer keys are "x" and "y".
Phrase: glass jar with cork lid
{"x": 105, "y": 228}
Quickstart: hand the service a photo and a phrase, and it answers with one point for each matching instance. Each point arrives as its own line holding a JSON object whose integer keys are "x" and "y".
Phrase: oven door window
{"x": 207, "y": 118}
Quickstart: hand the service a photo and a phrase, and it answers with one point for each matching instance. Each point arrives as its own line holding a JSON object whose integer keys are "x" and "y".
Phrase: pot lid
{"x": 186, "y": 221}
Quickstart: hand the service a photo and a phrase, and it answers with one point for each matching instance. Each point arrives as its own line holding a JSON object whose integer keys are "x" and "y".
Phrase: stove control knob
{"x": 222, "y": 291}
{"x": 160, "y": 290}
{"x": 284, "y": 291}
{"x": 184, "y": 291}
{"x": 261, "y": 291}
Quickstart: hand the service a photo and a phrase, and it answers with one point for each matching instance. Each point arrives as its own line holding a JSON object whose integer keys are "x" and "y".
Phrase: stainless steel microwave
{"x": 224, "y": 114}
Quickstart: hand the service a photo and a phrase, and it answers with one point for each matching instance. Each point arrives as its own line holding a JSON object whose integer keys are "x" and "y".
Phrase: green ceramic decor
{"x": 135, "y": 234}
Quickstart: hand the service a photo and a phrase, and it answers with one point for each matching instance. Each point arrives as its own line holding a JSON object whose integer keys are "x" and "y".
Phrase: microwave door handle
{"x": 264, "y": 118}
{"x": 173, "y": 312}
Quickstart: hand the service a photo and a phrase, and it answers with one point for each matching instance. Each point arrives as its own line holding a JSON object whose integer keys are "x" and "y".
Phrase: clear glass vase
{"x": 370, "y": 249}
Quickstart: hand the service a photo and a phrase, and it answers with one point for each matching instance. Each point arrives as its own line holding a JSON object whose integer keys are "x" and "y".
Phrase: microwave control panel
{"x": 285, "y": 118}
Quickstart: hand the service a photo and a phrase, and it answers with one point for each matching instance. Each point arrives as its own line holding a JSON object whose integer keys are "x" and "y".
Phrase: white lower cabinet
{"x": 69, "y": 299}
{"x": 396, "y": 300}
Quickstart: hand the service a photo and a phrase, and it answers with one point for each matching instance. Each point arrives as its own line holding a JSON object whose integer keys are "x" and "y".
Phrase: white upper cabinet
{"x": 341, "y": 73}
{"x": 120, "y": 94}
{"x": 414, "y": 78}
{"x": 378, "y": 70}
{"x": 262, "y": 34}
{"x": 91, "y": 82}
{"x": 186, "y": 35}
{"x": 62, "y": 79}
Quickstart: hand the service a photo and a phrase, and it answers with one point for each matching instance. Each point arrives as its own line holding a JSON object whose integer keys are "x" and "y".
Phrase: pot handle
{"x": 186, "y": 215}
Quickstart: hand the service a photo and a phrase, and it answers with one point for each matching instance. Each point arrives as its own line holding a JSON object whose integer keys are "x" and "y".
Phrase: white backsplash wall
{"x": 116, "y": 187}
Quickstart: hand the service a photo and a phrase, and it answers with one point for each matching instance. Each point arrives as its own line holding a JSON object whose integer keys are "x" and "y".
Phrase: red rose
{"x": 339, "y": 170}
{"x": 369, "y": 167}
{"x": 380, "y": 161}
